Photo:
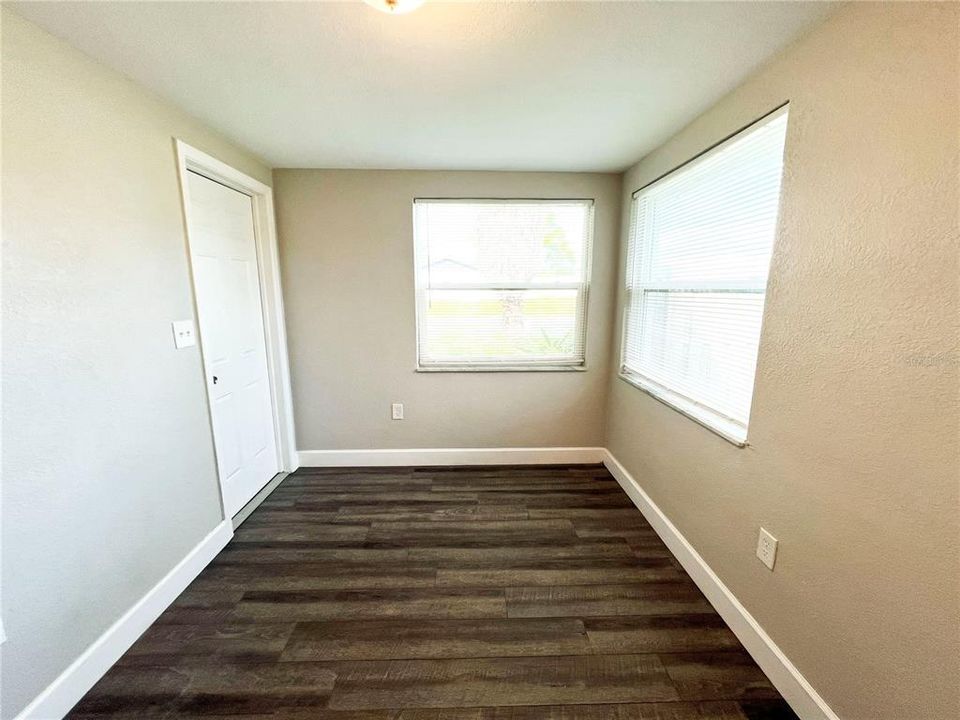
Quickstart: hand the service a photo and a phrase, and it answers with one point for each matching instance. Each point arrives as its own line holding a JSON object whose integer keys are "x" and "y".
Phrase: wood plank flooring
{"x": 482, "y": 593}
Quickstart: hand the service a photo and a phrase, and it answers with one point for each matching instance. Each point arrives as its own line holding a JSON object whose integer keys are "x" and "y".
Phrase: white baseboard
{"x": 247, "y": 510}
{"x": 74, "y": 682}
{"x": 803, "y": 698}
{"x": 407, "y": 457}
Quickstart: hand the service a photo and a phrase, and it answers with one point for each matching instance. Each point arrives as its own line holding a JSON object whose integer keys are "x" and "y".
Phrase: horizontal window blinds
{"x": 699, "y": 253}
{"x": 502, "y": 283}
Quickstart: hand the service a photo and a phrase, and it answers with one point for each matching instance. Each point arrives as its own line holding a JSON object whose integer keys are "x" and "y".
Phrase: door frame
{"x": 190, "y": 158}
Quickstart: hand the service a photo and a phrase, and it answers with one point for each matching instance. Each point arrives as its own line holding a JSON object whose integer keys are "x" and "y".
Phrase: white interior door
{"x": 226, "y": 280}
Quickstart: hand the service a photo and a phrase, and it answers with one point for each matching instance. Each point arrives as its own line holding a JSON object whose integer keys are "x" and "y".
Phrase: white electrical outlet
{"x": 767, "y": 548}
{"x": 184, "y": 335}
{"x": 396, "y": 411}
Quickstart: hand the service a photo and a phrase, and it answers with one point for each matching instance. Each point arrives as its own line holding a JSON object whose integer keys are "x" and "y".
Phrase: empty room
{"x": 510, "y": 360}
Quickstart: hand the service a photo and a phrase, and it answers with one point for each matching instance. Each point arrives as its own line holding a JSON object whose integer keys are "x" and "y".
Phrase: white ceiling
{"x": 479, "y": 86}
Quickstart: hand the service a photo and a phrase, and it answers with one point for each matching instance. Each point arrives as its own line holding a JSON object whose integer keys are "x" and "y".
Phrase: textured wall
{"x": 108, "y": 466}
{"x": 347, "y": 255}
{"x": 853, "y": 459}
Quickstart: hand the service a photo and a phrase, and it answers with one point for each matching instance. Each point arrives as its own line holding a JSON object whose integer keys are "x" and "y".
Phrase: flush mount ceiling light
{"x": 395, "y": 7}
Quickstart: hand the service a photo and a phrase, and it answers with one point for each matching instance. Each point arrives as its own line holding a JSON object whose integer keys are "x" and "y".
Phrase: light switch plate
{"x": 184, "y": 334}
{"x": 767, "y": 548}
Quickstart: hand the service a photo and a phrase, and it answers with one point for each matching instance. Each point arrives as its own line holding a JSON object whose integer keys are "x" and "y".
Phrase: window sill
{"x": 499, "y": 368}
{"x": 718, "y": 425}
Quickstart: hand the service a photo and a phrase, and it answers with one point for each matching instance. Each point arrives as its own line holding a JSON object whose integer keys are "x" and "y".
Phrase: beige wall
{"x": 108, "y": 466}
{"x": 853, "y": 459}
{"x": 347, "y": 256}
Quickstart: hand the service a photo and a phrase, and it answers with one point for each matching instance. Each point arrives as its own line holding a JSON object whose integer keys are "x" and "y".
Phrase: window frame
{"x": 583, "y": 295}
{"x": 727, "y": 428}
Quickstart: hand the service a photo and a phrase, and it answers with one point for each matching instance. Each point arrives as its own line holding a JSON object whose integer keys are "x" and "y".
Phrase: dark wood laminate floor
{"x": 493, "y": 593}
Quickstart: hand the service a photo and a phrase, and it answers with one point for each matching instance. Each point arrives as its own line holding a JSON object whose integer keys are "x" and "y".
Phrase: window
{"x": 699, "y": 252}
{"x": 502, "y": 284}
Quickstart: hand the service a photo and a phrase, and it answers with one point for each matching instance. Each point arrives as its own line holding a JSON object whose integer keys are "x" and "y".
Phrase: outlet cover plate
{"x": 396, "y": 411}
{"x": 184, "y": 334}
{"x": 767, "y": 548}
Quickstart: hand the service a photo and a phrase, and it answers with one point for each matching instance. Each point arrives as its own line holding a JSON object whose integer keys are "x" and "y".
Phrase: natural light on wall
{"x": 701, "y": 239}
{"x": 502, "y": 284}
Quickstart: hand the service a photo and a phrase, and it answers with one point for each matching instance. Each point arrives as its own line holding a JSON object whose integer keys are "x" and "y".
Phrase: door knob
{"x": 214, "y": 379}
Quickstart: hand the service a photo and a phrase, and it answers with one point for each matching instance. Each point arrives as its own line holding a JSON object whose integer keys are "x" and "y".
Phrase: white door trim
{"x": 268, "y": 265}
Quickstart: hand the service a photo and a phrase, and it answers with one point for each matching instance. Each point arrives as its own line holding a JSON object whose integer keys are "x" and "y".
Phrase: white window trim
{"x": 730, "y": 430}
{"x": 733, "y": 431}
{"x": 503, "y": 366}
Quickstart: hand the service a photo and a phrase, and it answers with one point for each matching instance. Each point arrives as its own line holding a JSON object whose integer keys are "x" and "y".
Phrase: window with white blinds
{"x": 699, "y": 252}
{"x": 502, "y": 284}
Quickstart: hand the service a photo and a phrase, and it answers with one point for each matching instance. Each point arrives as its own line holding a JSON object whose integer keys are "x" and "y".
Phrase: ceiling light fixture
{"x": 395, "y": 7}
